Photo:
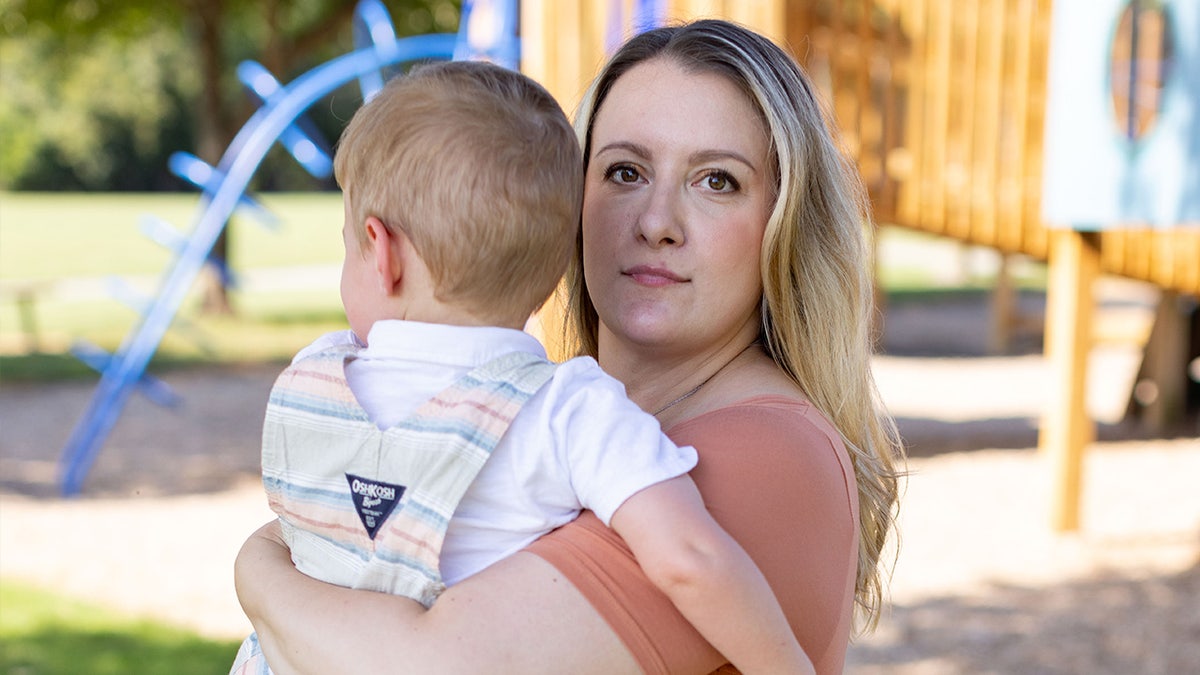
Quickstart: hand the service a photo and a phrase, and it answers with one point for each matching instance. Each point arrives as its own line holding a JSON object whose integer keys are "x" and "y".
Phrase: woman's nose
{"x": 661, "y": 221}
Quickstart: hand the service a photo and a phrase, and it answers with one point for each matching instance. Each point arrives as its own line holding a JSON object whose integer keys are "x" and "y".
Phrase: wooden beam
{"x": 1004, "y": 309}
{"x": 1165, "y": 365}
{"x": 1067, "y": 429}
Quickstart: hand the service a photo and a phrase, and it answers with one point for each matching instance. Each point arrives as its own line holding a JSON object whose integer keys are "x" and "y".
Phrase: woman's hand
{"x": 254, "y": 561}
{"x": 260, "y": 565}
{"x": 308, "y": 626}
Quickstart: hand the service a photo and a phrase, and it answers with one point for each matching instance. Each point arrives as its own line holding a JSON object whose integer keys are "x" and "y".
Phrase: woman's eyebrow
{"x": 702, "y": 156}
{"x": 629, "y": 146}
{"x": 698, "y": 157}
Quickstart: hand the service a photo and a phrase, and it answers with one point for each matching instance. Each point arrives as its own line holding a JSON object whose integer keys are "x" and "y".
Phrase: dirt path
{"x": 169, "y": 500}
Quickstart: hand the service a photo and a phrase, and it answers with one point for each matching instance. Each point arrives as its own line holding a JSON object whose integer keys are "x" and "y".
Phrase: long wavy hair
{"x": 818, "y": 291}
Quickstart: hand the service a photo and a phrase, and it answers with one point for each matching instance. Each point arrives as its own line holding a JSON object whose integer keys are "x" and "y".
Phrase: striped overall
{"x": 367, "y": 508}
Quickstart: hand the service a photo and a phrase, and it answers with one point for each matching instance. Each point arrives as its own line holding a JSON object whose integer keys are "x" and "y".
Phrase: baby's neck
{"x": 451, "y": 315}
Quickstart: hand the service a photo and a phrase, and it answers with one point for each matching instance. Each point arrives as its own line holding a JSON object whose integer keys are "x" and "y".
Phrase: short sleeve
{"x": 611, "y": 448}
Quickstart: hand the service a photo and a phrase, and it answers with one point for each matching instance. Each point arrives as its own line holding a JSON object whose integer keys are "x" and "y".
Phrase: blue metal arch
{"x": 279, "y": 119}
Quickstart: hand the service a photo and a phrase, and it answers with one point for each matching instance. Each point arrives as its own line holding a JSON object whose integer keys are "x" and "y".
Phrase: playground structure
{"x": 490, "y": 34}
{"x": 941, "y": 103}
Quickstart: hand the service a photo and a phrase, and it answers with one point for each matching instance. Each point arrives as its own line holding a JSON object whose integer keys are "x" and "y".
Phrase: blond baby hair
{"x": 479, "y": 167}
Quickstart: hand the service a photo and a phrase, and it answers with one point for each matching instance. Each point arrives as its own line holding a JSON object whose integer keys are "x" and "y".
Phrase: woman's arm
{"x": 519, "y": 615}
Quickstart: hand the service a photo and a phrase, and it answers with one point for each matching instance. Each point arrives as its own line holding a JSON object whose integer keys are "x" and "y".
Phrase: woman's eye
{"x": 622, "y": 174}
{"x": 719, "y": 181}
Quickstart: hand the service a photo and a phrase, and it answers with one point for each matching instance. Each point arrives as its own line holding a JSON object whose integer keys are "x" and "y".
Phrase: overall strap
{"x": 369, "y": 508}
{"x": 454, "y": 433}
{"x": 316, "y": 384}
{"x": 443, "y": 446}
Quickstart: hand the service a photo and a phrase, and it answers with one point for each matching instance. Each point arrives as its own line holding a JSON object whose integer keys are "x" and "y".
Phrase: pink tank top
{"x": 776, "y": 475}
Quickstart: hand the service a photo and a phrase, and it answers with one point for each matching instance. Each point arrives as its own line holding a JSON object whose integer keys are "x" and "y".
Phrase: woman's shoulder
{"x": 766, "y": 438}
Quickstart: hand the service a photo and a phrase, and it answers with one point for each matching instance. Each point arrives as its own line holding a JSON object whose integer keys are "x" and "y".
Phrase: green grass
{"x": 45, "y": 634}
{"x": 51, "y": 236}
{"x": 48, "y": 238}
{"x": 268, "y": 327}
{"x": 246, "y": 338}
{"x": 923, "y": 267}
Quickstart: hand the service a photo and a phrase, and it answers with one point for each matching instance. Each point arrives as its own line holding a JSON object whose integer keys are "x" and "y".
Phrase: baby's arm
{"x": 711, "y": 580}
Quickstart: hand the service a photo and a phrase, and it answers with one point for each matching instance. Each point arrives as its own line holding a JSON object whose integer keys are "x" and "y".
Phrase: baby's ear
{"x": 384, "y": 248}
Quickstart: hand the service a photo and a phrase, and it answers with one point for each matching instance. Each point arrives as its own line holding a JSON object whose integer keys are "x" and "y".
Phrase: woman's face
{"x": 677, "y": 194}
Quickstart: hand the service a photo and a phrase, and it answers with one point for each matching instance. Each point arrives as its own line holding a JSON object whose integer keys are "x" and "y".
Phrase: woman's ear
{"x": 385, "y": 248}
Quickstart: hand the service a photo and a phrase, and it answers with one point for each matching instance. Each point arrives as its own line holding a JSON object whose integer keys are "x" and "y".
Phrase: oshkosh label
{"x": 374, "y": 501}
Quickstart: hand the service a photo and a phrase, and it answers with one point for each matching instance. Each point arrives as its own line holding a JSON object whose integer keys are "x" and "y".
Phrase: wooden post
{"x": 1004, "y": 310}
{"x": 1165, "y": 366}
{"x": 1067, "y": 429}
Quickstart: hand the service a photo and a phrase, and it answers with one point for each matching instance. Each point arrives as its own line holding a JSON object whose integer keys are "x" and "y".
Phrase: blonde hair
{"x": 818, "y": 296}
{"x": 479, "y": 167}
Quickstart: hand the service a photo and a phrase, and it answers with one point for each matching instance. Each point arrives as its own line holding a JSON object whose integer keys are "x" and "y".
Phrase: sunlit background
{"x": 943, "y": 105}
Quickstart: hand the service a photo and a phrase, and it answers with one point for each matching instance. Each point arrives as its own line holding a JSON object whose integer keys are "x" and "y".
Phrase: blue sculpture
{"x": 279, "y": 119}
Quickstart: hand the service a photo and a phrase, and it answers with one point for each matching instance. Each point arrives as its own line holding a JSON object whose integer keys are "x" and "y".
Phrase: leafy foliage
{"x": 97, "y": 93}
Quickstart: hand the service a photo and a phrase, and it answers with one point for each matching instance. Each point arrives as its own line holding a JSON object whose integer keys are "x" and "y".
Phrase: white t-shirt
{"x": 579, "y": 443}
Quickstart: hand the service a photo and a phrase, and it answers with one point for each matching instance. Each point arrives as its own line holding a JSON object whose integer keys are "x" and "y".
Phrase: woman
{"x": 722, "y": 275}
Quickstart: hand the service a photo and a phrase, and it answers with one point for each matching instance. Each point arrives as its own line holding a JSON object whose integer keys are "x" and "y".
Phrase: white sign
{"x": 1095, "y": 175}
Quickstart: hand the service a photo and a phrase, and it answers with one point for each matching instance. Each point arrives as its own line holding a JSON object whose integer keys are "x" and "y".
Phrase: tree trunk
{"x": 216, "y": 126}
{"x": 213, "y": 135}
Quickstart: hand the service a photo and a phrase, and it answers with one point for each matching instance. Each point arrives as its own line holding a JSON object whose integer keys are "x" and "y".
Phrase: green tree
{"x": 78, "y": 78}
{"x": 124, "y": 48}
{"x": 79, "y": 119}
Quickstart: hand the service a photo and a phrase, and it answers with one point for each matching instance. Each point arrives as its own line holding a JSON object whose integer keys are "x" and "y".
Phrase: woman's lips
{"x": 647, "y": 275}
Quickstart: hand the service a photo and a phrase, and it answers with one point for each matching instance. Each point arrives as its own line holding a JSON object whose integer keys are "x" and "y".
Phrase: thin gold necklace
{"x": 689, "y": 393}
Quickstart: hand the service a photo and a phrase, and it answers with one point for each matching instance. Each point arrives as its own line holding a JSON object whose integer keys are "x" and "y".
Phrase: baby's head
{"x": 478, "y": 166}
